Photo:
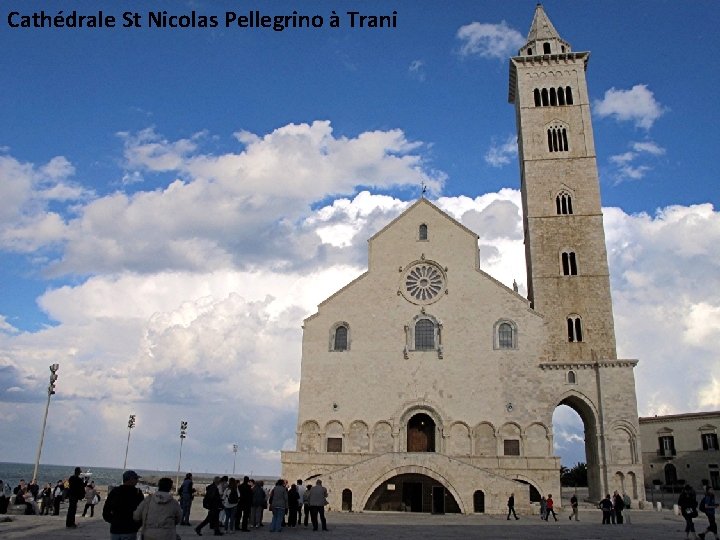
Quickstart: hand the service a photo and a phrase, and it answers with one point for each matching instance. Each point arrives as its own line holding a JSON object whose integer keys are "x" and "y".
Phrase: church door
{"x": 421, "y": 434}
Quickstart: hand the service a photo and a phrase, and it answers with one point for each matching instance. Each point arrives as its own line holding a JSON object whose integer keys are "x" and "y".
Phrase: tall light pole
{"x": 183, "y": 431}
{"x": 235, "y": 449}
{"x": 131, "y": 424}
{"x": 50, "y": 392}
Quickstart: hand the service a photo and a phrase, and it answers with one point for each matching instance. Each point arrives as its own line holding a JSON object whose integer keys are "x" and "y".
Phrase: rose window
{"x": 423, "y": 282}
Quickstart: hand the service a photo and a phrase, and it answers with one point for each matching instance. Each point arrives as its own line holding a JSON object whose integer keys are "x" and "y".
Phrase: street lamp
{"x": 183, "y": 431}
{"x": 131, "y": 424}
{"x": 50, "y": 392}
{"x": 235, "y": 449}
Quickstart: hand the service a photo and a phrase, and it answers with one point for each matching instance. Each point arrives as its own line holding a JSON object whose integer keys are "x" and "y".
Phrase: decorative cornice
{"x": 715, "y": 415}
{"x": 619, "y": 363}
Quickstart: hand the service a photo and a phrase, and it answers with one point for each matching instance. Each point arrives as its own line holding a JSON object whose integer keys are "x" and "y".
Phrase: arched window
{"x": 568, "y": 95}
{"x": 563, "y": 203}
{"x": 574, "y": 328}
{"x": 569, "y": 266}
{"x": 505, "y": 335}
{"x": 536, "y": 95}
{"x": 544, "y": 95}
{"x": 546, "y": 48}
{"x": 553, "y": 97}
{"x": 424, "y": 335}
{"x": 340, "y": 337}
{"x": 557, "y": 139}
{"x": 422, "y": 232}
{"x": 529, "y": 51}
{"x": 571, "y": 378}
{"x": 561, "y": 96}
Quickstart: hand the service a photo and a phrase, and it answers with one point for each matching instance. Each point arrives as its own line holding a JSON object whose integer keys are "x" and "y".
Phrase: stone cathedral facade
{"x": 427, "y": 385}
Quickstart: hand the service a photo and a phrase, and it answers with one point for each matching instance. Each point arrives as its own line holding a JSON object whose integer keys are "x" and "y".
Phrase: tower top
{"x": 543, "y": 38}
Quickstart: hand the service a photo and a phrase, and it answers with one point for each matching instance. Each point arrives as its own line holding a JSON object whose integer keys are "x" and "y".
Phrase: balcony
{"x": 667, "y": 453}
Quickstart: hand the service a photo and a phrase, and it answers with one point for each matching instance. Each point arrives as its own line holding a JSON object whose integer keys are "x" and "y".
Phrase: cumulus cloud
{"x": 489, "y": 40}
{"x": 637, "y": 105}
{"x": 500, "y": 154}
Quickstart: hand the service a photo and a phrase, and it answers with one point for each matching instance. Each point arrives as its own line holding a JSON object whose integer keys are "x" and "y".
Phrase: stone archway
{"x": 421, "y": 433}
{"x": 412, "y": 492}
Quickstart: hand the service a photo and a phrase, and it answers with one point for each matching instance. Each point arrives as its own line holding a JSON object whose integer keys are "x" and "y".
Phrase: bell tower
{"x": 567, "y": 270}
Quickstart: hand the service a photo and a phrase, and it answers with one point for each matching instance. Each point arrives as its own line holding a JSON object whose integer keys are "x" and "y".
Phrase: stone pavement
{"x": 646, "y": 524}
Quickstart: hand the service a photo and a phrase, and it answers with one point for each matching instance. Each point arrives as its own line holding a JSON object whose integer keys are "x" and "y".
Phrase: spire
{"x": 543, "y": 38}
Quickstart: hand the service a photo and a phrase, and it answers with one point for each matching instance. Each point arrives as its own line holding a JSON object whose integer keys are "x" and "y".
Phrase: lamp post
{"x": 235, "y": 449}
{"x": 131, "y": 424}
{"x": 50, "y": 392}
{"x": 183, "y": 431}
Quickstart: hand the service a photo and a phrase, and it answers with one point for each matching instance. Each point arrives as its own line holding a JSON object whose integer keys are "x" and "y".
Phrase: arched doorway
{"x": 479, "y": 502}
{"x": 575, "y": 419}
{"x": 421, "y": 433}
{"x": 347, "y": 500}
{"x": 412, "y": 493}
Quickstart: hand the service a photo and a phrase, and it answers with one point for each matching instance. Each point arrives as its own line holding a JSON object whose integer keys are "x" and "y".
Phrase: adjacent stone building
{"x": 427, "y": 385}
{"x": 681, "y": 449}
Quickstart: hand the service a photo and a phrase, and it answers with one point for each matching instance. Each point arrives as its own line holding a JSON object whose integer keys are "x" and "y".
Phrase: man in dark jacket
{"x": 119, "y": 506}
{"x": 76, "y": 491}
{"x": 246, "y": 498}
{"x": 212, "y": 502}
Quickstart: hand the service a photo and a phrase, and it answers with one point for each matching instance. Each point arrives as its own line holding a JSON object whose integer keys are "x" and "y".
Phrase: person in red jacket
{"x": 550, "y": 508}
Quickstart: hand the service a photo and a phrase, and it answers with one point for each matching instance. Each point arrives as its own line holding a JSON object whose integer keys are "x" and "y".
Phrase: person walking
{"x": 230, "y": 504}
{"x": 606, "y": 507}
{"x": 76, "y": 491}
{"x": 511, "y": 506}
{"x": 618, "y": 507}
{"x": 245, "y": 505}
{"x": 543, "y": 507}
{"x": 293, "y": 505}
{"x": 91, "y": 499}
{"x": 58, "y": 497}
{"x": 212, "y": 502}
{"x": 119, "y": 506}
{"x": 259, "y": 503}
{"x": 708, "y": 505}
{"x": 626, "y": 512}
{"x": 688, "y": 509}
{"x": 318, "y": 500}
{"x": 550, "y": 508}
{"x": 159, "y": 513}
{"x": 187, "y": 494}
{"x": 574, "y": 506}
{"x": 301, "y": 495}
{"x": 278, "y": 505}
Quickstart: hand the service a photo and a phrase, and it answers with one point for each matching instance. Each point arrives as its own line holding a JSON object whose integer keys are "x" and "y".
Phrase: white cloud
{"x": 500, "y": 154}
{"x": 489, "y": 40}
{"x": 417, "y": 69}
{"x": 625, "y": 164}
{"x": 5, "y": 326}
{"x": 637, "y": 105}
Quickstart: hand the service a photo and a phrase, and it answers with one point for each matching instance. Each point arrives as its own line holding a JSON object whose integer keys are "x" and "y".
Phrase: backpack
{"x": 209, "y": 496}
{"x": 233, "y": 498}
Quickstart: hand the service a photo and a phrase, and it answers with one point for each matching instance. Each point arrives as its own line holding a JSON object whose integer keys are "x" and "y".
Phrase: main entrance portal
{"x": 412, "y": 493}
{"x": 421, "y": 434}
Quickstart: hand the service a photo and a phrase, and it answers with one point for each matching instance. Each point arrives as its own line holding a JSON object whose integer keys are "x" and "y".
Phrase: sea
{"x": 12, "y": 473}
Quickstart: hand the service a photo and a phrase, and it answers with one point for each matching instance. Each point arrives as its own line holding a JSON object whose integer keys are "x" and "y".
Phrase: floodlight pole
{"x": 235, "y": 449}
{"x": 131, "y": 424}
{"x": 183, "y": 432}
{"x": 50, "y": 392}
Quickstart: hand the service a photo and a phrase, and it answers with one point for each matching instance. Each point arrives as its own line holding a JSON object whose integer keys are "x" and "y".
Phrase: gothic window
{"x": 423, "y": 232}
{"x": 574, "y": 328}
{"x": 568, "y": 95}
{"x": 536, "y": 95}
{"x": 563, "y": 203}
{"x": 544, "y": 95}
{"x": 546, "y": 48}
{"x": 340, "y": 337}
{"x": 571, "y": 377}
{"x": 553, "y": 97}
{"x": 557, "y": 139}
{"x": 424, "y": 335}
{"x": 569, "y": 266}
{"x": 505, "y": 335}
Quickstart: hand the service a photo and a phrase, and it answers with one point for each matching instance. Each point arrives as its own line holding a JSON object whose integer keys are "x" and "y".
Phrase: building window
{"x": 553, "y": 97}
{"x": 569, "y": 265}
{"x": 529, "y": 51}
{"x": 571, "y": 378}
{"x": 424, "y": 335}
{"x": 563, "y": 203}
{"x": 334, "y": 444}
{"x": 536, "y": 97}
{"x": 505, "y": 335}
{"x": 544, "y": 95}
{"x": 422, "y": 232}
{"x": 568, "y": 95}
{"x": 340, "y": 337}
{"x": 557, "y": 139}
{"x": 710, "y": 441}
{"x": 546, "y": 48}
{"x": 574, "y": 328}
{"x": 666, "y": 446}
{"x": 511, "y": 447}
{"x": 561, "y": 96}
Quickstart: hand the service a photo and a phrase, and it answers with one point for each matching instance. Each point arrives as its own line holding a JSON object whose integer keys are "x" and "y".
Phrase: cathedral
{"x": 429, "y": 386}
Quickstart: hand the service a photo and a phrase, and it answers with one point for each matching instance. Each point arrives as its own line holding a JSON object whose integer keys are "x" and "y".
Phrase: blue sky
{"x": 162, "y": 186}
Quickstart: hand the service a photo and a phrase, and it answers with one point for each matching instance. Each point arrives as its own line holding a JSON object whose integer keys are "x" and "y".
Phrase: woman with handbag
{"x": 159, "y": 513}
{"x": 688, "y": 508}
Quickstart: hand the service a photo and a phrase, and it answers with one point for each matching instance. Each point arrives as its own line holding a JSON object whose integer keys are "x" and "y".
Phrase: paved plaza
{"x": 380, "y": 525}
